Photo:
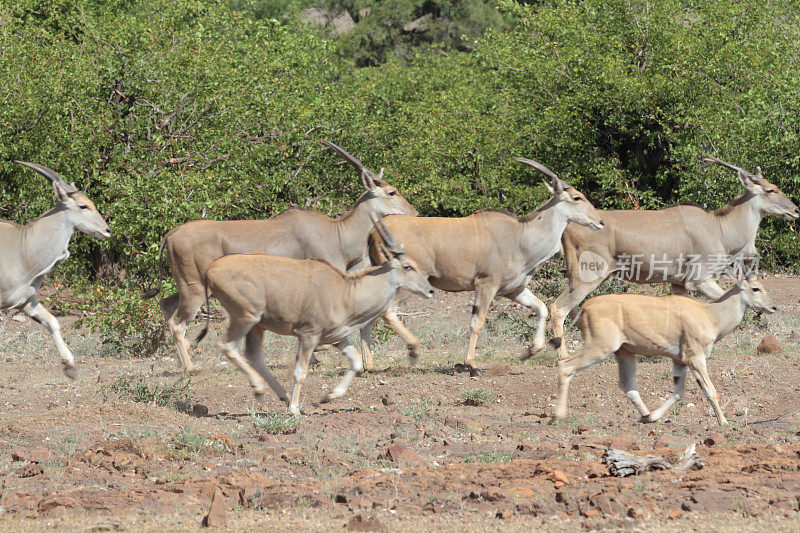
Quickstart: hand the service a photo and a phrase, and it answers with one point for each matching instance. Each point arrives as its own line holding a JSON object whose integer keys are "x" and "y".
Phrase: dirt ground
{"x": 131, "y": 444}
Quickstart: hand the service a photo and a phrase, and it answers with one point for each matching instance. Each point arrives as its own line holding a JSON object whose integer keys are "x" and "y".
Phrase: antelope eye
{"x": 84, "y": 206}
{"x": 407, "y": 267}
{"x": 756, "y": 289}
{"x": 392, "y": 193}
{"x": 576, "y": 198}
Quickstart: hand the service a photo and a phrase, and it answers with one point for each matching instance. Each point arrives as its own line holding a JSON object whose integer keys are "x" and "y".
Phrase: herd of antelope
{"x": 319, "y": 279}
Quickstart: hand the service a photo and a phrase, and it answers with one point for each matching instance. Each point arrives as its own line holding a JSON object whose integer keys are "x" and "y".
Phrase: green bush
{"x": 171, "y": 111}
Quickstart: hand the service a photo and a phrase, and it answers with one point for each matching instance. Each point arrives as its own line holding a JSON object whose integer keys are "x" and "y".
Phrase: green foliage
{"x": 187, "y": 442}
{"x": 126, "y": 323}
{"x": 476, "y": 397}
{"x": 171, "y": 111}
{"x": 419, "y": 409}
{"x": 490, "y": 456}
{"x": 140, "y": 389}
{"x": 276, "y": 423}
{"x": 393, "y": 29}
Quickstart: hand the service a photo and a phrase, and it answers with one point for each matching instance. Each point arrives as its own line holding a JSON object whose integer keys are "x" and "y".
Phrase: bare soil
{"x": 408, "y": 448}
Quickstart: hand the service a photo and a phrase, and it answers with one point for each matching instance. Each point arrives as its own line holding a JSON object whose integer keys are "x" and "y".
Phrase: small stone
{"x": 623, "y": 441}
{"x": 363, "y": 523}
{"x": 558, "y": 477}
{"x": 216, "y": 511}
{"x": 40, "y": 454}
{"x": 769, "y": 344}
{"x": 672, "y": 441}
{"x": 547, "y": 447}
{"x": 389, "y": 399}
{"x": 18, "y": 454}
{"x": 400, "y": 453}
{"x": 591, "y": 513}
{"x": 199, "y": 410}
{"x": 30, "y": 470}
{"x": 674, "y": 514}
{"x": 526, "y": 446}
{"x": 713, "y": 440}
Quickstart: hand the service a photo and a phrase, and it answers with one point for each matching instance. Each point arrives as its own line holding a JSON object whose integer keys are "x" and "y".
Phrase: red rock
{"x": 400, "y": 453}
{"x": 623, "y": 441}
{"x": 769, "y": 344}
{"x": 672, "y": 441}
{"x": 216, "y": 511}
{"x": 40, "y": 454}
{"x": 361, "y": 523}
{"x": 18, "y": 454}
{"x": 674, "y": 514}
{"x": 526, "y": 446}
{"x": 591, "y": 513}
{"x": 714, "y": 440}
{"x": 389, "y": 399}
{"x": 30, "y": 470}
{"x": 547, "y": 447}
{"x": 558, "y": 475}
{"x": 56, "y": 501}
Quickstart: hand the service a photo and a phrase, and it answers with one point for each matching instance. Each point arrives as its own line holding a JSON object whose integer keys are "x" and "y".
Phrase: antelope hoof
{"x": 259, "y": 394}
{"x": 314, "y": 361}
{"x": 647, "y": 419}
{"x": 69, "y": 371}
{"x": 475, "y": 372}
{"x": 413, "y": 356}
{"x": 555, "y": 420}
{"x": 294, "y": 411}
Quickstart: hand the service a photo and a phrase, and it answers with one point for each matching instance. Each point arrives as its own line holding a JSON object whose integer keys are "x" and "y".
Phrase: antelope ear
{"x": 369, "y": 183}
{"x": 549, "y": 187}
{"x": 749, "y": 183}
{"x": 62, "y": 193}
{"x": 558, "y": 186}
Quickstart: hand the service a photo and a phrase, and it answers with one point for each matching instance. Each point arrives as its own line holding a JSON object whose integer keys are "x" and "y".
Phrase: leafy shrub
{"x": 276, "y": 423}
{"x": 171, "y": 111}
{"x": 490, "y": 456}
{"x": 476, "y": 397}
{"x": 419, "y": 409}
{"x": 139, "y": 389}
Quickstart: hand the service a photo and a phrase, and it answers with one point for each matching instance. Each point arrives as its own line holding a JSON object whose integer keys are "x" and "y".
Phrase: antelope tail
{"x": 152, "y": 291}
{"x": 203, "y": 333}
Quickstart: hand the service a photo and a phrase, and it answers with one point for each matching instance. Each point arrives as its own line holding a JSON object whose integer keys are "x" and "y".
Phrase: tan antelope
{"x": 31, "y": 251}
{"x": 295, "y": 233}
{"x": 677, "y": 245}
{"x": 310, "y": 299}
{"x": 490, "y": 252}
{"x": 675, "y": 326}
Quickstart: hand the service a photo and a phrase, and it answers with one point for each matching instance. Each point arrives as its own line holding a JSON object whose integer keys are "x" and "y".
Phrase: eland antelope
{"x": 29, "y": 252}
{"x": 666, "y": 241}
{"x": 676, "y": 326}
{"x": 489, "y": 252}
{"x": 310, "y": 299}
{"x": 294, "y": 233}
